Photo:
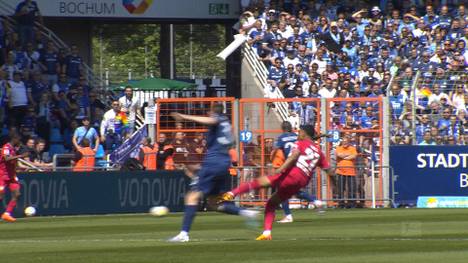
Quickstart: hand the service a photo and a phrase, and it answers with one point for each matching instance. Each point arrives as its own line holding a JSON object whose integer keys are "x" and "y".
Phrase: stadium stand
{"x": 415, "y": 55}
{"x": 56, "y": 89}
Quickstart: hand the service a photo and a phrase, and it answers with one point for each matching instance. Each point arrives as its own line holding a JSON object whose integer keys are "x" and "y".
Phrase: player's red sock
{"x": 269, "y": 215}
{"x": 11, "y": 205}
{"x": 246, "y": 187}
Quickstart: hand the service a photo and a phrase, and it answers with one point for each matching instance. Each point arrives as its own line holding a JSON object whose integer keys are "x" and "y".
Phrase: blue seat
{"x": 55, "y": 135}
{"x": 56, "y": 148}
{"x": 100, "y": 152}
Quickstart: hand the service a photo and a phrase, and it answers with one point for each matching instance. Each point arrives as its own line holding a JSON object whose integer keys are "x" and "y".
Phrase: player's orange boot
{"x": 7, "y": 217}
{"x": 263, "y": 237}
{"x": 226, "y": 197}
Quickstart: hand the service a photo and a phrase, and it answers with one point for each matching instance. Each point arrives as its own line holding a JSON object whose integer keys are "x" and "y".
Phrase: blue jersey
{"x": 397, "y": 103}
{"x": 219, "y": 139}
{"x": 286, "y": 141}
{"x": 73, "y": 66}
{"x": 50, "y": 60}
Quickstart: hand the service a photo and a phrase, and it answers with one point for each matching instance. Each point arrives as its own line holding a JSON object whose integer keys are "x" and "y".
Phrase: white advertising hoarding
{"x": 178, "y": 9}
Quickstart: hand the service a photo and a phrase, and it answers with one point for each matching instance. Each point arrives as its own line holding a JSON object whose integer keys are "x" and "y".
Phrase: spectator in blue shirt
{"x": 27, "y": 13}
{"x": 423, "y": 126}
{"x": 349, "y": 50}
{"x": 72, "y": 67}
{"x": 397, "y": 101}
{"x": 444, "y": 18}
{"x": 50, "y": 62}
{"x": 276, "y": 72}
{"x": 63, "y": 85}
{"x": 361, "y": 22}
{"x": 444, "y": 122}
{"x": 256, "y": 36}
{"x": 85, "y": 131}
{"x": 36, "y": 87}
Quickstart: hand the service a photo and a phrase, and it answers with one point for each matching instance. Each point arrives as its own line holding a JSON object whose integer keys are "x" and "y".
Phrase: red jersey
{"x": 7, "y": 169}
{"x": 310, "y": 158}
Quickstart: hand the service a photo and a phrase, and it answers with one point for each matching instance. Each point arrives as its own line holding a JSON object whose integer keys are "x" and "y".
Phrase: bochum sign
{"x": 137, "y": 9}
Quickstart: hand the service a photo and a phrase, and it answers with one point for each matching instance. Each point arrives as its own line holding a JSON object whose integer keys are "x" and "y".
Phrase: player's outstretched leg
{"x": 270, "y": 208}
{"x": 191, "y": 206}
{"x": 249, "y": 215}
{"x": 261, "y": 182}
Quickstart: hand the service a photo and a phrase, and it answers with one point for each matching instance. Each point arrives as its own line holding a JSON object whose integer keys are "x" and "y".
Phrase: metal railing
{"x": 421, "y": 102}
{"x": 261, "y": 74}
{"x": 366, "y": 190}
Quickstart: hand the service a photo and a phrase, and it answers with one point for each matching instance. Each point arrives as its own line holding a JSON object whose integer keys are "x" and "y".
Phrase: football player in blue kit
{"x": 213, "y": 177}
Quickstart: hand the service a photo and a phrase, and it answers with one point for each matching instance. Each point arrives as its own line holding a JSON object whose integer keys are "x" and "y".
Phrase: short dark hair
{"x": 218, "y": 108}
{"x": 84, "y": 142}
{"x": 286, "y": 126}
{"x": 13, "y": 136}
{"x": 309, "y": 130}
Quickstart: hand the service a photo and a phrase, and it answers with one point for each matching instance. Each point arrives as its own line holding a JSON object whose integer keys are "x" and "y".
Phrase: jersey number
{"x": 226, "y": 131}
{"x": 308, "y": 161}
{"x": 288, "y": 146}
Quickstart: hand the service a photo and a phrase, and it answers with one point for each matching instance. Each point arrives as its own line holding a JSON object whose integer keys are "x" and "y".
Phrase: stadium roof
{"x": 155, "y": 84}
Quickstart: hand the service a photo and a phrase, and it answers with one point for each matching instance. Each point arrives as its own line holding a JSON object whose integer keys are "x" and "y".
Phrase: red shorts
{"x": 11, "y": 183}
{"x": 288, "y": 184}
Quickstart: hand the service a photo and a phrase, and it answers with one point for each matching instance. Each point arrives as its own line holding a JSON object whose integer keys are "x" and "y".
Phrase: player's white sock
{"x": 266, "y": 232}
{"x": 289, "y": 216}
{"x": 183, "y": 233}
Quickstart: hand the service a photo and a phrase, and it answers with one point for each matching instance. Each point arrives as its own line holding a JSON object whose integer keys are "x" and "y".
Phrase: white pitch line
{"x": 226, "y": 240}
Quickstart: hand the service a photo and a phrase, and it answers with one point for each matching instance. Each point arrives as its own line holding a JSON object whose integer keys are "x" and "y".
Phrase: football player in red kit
{"x": 289, "y": 178}
{"x": 8, "y": 179}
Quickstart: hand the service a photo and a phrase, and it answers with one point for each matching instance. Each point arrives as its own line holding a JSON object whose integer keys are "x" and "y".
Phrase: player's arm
{"x": 321, "y": 135}
{"x": 14, "y": 157}
{"x": 330, "y": 171}
{"x": 199, "y": 119}
{"x": 293, "y": 156}
{"x": 325, "y": 165}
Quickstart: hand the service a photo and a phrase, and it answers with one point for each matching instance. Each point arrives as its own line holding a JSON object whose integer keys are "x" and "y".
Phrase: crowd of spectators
{"x": 44, "y": 92}
{"x": 45, "y": 96}
{"x": 352, "y": 49}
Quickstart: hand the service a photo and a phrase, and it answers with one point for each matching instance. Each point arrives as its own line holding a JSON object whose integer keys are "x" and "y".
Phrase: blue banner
{"x": 67, "y": 193}
{"x": 429, "y": 171}
{"x": 123, "y": 152}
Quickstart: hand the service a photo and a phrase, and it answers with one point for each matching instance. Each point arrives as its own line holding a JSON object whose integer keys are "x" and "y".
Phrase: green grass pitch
{"x": 398, "y": 235}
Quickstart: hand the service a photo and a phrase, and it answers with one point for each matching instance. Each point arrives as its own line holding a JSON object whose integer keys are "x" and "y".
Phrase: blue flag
{"x": 124, "y": 151}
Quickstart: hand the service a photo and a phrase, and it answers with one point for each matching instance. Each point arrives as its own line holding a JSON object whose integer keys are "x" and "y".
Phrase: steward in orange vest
{"x": 165, "y": 157}
{"x": 234, "y": 161}
{"x": 148, "y": 155}
{"x": 85, "y": 157}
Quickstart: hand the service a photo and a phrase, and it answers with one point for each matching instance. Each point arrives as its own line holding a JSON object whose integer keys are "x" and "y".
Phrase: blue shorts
{"x": 212, "y": 179}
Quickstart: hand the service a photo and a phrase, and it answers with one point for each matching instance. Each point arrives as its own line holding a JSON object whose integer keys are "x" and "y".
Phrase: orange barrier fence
{"x": 187, "y": 137}
{"x": 359, "y": 119}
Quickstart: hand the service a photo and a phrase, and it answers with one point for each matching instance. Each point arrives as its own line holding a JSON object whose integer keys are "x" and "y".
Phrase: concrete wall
{"x": 251, "y": 88}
